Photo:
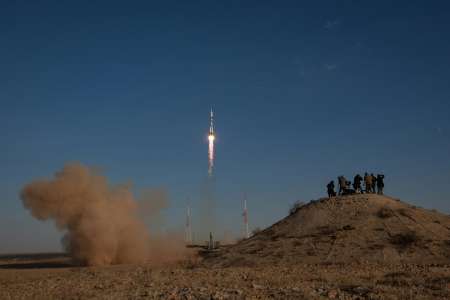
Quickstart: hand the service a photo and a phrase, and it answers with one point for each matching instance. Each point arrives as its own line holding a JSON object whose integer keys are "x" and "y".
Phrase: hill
{"x": 357, "y": 228}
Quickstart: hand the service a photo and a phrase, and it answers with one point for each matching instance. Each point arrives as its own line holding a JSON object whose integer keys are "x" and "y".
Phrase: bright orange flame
{"x": 211, "y": 139}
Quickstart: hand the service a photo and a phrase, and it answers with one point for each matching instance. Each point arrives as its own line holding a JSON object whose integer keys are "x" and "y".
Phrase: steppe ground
{"x": 355, "y": 247}
{"x": 53, "y": 277}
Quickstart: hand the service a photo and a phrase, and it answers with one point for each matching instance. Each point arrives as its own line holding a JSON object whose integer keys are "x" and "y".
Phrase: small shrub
{"x": 376, "y": 247}
{"x": 296, "y": 206}
{"x": 297, "y": 243}
{"x": 404, "y": 240}
{"x": 326, "y": 230}
{"x": 253, "y": 250}
{"x": 403, "y": 212}
{"x": 241, "y": 239}
{"x": 240, "y": 262}
{"x": 310, "y": 252}
{"x": 256, "y": 231}
{"x": 396, "y": 274}
{"x": 385, "y": 213}
{"x": 348, "y": 227}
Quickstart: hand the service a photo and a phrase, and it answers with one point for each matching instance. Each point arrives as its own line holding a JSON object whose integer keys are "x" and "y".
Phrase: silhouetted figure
{"x": 368, "y": 182}
{"x": 342, "y": 184}
{"x": 380, "y": 183}
{"x": 357, "y": 183}
{"x": 374, "y": 183}
{"x": 330, "y": 189}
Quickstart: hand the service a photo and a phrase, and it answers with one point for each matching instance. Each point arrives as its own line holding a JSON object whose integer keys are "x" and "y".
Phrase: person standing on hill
{"x": 380, "y": 183}
{"x": 368, "y": 182}
{"x": 330, "y": 189}
{"x": 374, "y": 183}
{"x": 342, "y": 183}
{"x": 357, "y": 183}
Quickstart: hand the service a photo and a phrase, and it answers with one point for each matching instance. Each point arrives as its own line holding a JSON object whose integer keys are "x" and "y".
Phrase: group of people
{"x": 371, "y": 184}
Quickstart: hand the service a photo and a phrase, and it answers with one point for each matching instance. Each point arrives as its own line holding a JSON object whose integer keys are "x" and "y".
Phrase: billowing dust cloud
{"x": 101, "y": 221}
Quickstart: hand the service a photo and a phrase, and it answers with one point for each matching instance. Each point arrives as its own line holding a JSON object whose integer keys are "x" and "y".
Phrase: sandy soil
{"x": 360, "y": 228}
{"x": 52, "y": 277}
{"x": 363, "y": 247}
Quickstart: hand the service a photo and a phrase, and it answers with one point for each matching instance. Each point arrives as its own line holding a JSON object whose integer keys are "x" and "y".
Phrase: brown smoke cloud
{"x": 101, "y": 221}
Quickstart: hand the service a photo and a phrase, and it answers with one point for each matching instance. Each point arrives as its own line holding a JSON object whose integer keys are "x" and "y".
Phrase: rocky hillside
{"x": 347, "y": 229}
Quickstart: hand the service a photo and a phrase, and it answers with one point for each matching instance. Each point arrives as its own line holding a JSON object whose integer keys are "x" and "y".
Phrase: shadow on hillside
{"x": 36, "y": 261}
{"x": 31, "y": 256}
{"x": 38, "y": 265}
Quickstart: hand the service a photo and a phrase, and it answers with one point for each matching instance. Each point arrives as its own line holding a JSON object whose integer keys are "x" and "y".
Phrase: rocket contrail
{"x": 211, "y": 138}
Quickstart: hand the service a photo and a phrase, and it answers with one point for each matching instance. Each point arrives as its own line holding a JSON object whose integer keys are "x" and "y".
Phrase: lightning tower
{"x": 188, "y": 229}
{"x": 245, "y": 215}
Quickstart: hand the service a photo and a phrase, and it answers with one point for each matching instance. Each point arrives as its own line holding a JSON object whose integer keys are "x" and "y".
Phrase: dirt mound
{"x": 358, "y": 228}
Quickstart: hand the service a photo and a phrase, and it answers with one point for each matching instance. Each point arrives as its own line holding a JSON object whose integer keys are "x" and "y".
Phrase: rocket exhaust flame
{"x": 211, "y": 138}
{"x": 211, "y": 155}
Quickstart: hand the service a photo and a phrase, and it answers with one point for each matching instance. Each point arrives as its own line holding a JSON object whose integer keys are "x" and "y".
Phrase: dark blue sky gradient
{"x": 302, "y": 93}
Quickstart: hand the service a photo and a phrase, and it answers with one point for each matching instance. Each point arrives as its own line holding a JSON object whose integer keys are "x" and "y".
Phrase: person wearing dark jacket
{"x": 368, "y": 183}
{"x": 357, "y": 183}
{"x": 374, "y": 183}
{"x": 342, "y": 184}
{"x": 380, "y": 183}
{"x": 330, "y": 189}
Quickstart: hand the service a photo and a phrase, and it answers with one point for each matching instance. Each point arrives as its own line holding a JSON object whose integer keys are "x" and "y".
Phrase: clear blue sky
{"x": 303, "y": 92}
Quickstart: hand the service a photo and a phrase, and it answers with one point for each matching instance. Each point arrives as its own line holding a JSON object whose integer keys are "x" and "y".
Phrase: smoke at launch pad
{"x": 102, "y": 223}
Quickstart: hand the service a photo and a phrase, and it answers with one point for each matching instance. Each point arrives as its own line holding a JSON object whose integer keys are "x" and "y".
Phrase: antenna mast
{"x": 245, "y": 215}
{"x": 188, "y": 229}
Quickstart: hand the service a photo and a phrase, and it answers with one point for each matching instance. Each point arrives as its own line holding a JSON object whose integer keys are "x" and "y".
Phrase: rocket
{"x": 211, "y": 123}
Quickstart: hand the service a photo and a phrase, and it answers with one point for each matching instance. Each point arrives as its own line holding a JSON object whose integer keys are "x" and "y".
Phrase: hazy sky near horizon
{"x": 303, "y": 92}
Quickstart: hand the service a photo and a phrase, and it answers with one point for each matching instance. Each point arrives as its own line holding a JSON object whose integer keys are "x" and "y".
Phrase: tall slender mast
{"x": 245, "y": 215}
{"x": 188, "y": 236}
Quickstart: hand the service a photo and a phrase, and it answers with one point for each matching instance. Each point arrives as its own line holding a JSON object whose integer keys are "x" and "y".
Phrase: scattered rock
{"x": 257, "y": 286}
{"x": 333, "y": 294}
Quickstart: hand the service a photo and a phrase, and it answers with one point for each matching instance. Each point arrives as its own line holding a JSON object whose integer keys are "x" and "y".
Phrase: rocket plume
{"x": 211, "y": 154}
{"x": 211, "y": 138}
